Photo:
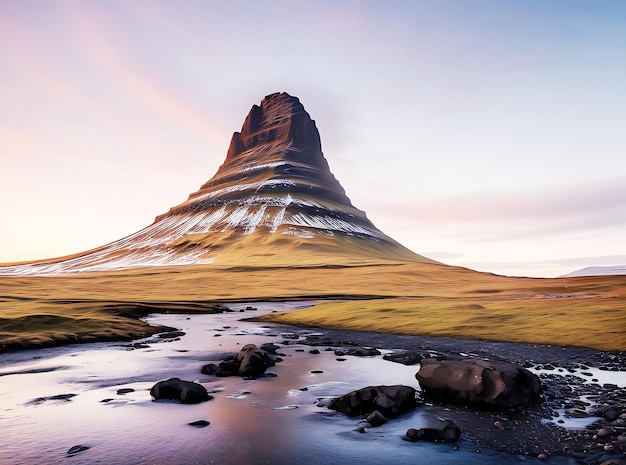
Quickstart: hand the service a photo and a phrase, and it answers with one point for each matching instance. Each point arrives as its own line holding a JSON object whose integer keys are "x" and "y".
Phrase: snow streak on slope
{"x": 156, "y": 244}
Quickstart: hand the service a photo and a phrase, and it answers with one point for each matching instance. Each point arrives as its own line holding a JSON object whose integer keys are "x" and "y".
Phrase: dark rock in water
{"x": 61, "y": 397}
{"x": 404, "y": 357}
{"x": 270, "y": 348}
{"x": 493, "y": 384}
{"x": 388, "y": 400}
{"x": 250, "y": 362}
{"x": 40, "y": 400}
{"x": 124, "y": 391}
{"x": 187, "y": 392}
{"x": 376, "y": 419}
{"x": 76, "y": 449}
{"x": 314, "y": 351}
{"x": 447, "y": 432}
{"x": 357, "y": 351}
{"x": 172, "y": 334}
{"x": 199, "y": 423}
{"x": 253, "y": 361}
{"x": 212, "y": 369}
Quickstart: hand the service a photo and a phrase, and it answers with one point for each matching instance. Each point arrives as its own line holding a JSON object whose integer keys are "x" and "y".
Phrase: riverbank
{"x": 399, "y": 298}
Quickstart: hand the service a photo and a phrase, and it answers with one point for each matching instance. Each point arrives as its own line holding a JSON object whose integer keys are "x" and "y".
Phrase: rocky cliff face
{"x": 273, "y": 202}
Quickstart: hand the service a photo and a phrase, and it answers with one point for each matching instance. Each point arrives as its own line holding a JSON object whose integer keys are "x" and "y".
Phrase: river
{"x": 54, "y": 399}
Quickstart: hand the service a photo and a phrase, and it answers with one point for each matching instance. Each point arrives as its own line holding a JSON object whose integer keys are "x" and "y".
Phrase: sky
{"x": 487, "y": 134}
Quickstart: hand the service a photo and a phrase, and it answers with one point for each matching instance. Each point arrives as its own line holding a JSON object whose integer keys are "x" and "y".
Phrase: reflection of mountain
{"x": 273, "y": 201}
{"x": 598, "y": 271}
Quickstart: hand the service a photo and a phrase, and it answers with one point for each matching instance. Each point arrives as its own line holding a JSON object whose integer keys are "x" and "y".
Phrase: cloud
{"x": 600, "y": 204}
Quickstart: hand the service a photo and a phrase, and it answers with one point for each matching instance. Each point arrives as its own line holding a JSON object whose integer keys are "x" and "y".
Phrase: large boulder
{"x": 187, "y": 392}
{"x": 253, "y": 361}
{"x": 388, "y": 400}
{"x": 496, "y": 384}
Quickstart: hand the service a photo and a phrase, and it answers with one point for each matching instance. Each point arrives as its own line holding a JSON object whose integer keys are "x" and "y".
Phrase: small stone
{"x": 123, "y": 391}
{"x": 341, "y": 359}
{"x": 498, "y": 424}
{"x": 76, "y": 449}
{"x": 171, "y": 334}
{"x": 316, "y": 372}
{"x": 376, "y": 419}
{"x": 199, "y": 423}
{"x": 542, "y": 456}
{"x": 314, "y": 351}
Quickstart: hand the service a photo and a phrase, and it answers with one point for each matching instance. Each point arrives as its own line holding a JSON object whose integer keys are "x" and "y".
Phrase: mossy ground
{"x": 394, "y": 297}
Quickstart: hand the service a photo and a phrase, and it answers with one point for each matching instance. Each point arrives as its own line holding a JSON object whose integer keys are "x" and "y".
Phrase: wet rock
{"x": 250, "y": 362}
{"x": 376, "y": 419}
{"x": 388, "y": 400}
{"x": 314, "y": 351}
{"x": 357, "y": 351}
{"x": 77, "y": 449}
{"x": 448, "y": 431}
{"x": 58, "y": 397}
{"x": 199, "y": 423}
{"x": 253, "y": 361}
{"x": 494, "y": 384}
{"x": 124, "y": 391}
{"x": 405, "y": 357}
{"x": 172, "y": 334}
{"x": 187, "y": 392}
{"x": 270, "y": 348}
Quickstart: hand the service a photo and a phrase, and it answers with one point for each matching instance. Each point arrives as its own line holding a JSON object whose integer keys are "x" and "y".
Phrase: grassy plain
{"x": 395, "y": 297}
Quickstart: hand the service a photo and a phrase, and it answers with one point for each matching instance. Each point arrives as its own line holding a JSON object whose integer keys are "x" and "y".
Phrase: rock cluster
{"x": 250, "y": 362}
{"x": 447, "y": 431}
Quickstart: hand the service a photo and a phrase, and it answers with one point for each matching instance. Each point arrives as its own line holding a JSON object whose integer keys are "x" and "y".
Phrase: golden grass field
{"x": 394, "y": 297}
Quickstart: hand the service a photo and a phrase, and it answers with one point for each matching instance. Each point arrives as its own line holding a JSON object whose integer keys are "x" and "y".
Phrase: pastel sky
{"x": 483, "y": 133}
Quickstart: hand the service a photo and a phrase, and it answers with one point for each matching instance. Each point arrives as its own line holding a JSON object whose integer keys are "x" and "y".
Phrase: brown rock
{"x": 494, "y": 384}
{"x": 388, "y": 400}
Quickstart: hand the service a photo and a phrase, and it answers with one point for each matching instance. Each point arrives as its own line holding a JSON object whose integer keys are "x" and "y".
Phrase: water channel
{"x": 54, "y": 399}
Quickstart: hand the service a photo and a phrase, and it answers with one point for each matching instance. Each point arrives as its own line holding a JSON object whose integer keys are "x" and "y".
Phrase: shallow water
{"x": 263, "y": 421}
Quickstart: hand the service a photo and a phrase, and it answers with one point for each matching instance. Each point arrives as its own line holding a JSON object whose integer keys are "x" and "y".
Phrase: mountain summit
{"x": 273, "y": 202}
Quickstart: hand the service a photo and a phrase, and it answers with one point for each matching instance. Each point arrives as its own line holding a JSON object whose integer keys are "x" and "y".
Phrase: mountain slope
{"x": 273, "y": 202}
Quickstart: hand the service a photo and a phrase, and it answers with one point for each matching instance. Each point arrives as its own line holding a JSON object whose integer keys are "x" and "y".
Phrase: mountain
{"x": 597, "y": 271}
{"x": 273, "y": 202}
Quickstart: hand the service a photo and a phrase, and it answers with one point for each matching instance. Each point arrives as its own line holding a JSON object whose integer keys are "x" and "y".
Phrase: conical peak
{"x": 277, "y": 152}
{"x": 279, "y": 120}
{"x": 273, "y": 202}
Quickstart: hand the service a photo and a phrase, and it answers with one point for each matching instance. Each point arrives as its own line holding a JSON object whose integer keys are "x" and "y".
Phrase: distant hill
{"x": 597, "y": 271}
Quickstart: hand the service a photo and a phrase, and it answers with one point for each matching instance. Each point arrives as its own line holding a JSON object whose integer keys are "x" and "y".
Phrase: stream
{"x": 54, "y": 399}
